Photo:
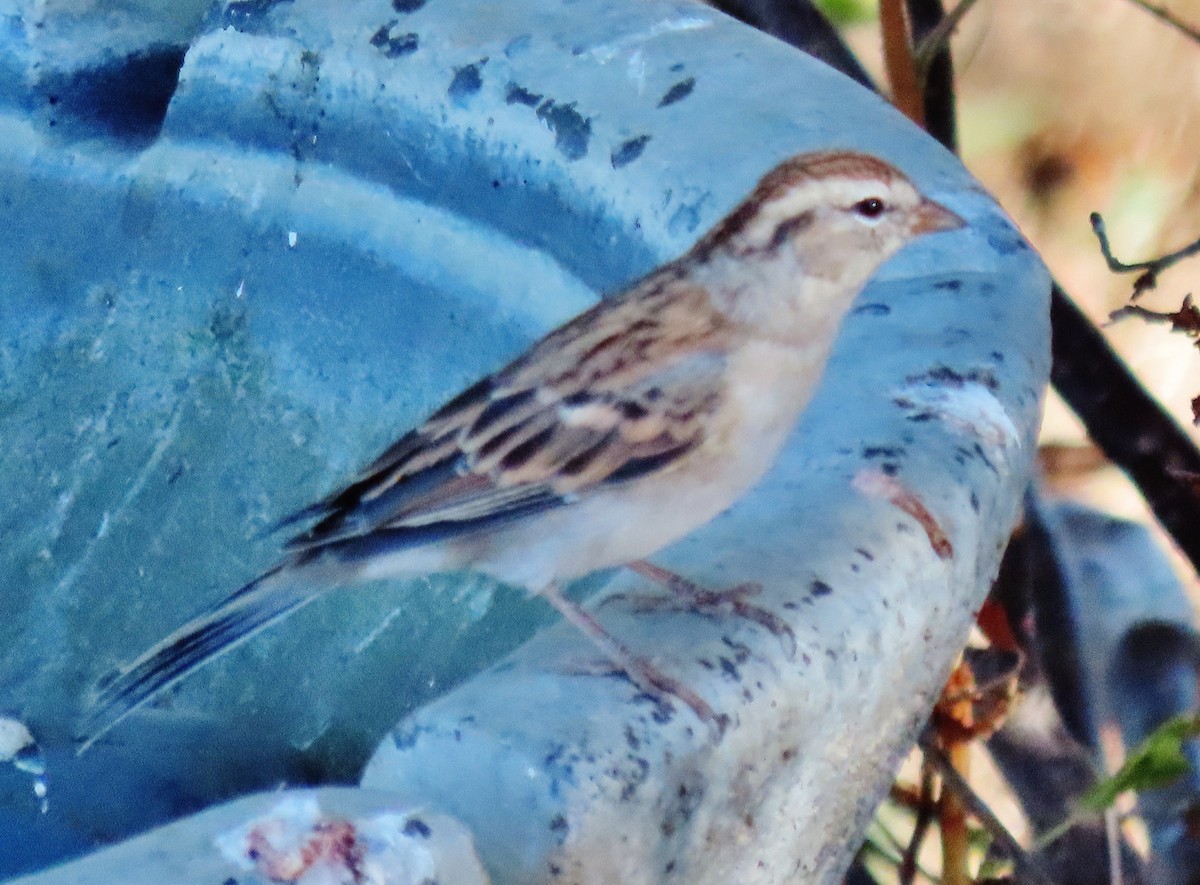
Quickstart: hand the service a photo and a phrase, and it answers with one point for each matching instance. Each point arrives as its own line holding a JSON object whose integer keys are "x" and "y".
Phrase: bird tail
{"x": 243, "y": 613}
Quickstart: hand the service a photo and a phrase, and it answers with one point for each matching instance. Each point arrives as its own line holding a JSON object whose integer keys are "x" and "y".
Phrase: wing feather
{"x": 624, "y": 390}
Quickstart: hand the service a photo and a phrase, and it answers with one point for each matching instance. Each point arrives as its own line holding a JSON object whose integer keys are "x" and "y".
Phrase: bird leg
{"x": 640, "y": 671}
{"x": 732, "y": 600}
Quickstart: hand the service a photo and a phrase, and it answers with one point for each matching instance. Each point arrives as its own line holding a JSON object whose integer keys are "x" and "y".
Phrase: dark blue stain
{"x": 635, "y": 779}
{"x": 985, "y": 459}
{"x": 520, "y": 95}
{"x": 1006, "y": 242}
{"x": 414, "y": 826}
{"x": 729, "y": 668}
{"x": 741, "y": 651}
{"x": 572, "y": 131}
{"x": 678, "y": 92}
{"x": 944, "y": 375}
{"x": 394, "y": 45}
{"x": 872, "y": 309}
{"x": 125, "y": 99}
{"x": 467, "y": 81}
{"x": 629, "y": 151}
{"x": 406, "y": 738}
{"x": 949, "y": 285}
{"x": 518, "y": 46}
{"x": 820, "y": 588}
{"x": 408, "y": 5}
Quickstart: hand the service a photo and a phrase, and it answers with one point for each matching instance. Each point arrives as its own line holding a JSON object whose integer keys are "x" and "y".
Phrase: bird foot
{"x": 658, "y": 686}
{"x": 641, "y": 672}
{"x": 691, "y": 597}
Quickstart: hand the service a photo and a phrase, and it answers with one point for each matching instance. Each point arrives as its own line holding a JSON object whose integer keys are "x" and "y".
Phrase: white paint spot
{"x": 606, "y": 52}
{"x": 635, "y": 69}
{"x": 968, "y": 408}
{"x": 292, "y": 239}
{"x": 14, "y": 737}
{"x": 18, "y": 747}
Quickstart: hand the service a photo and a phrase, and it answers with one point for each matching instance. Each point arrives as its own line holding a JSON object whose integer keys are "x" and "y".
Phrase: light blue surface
{"x": 175, "y": 374}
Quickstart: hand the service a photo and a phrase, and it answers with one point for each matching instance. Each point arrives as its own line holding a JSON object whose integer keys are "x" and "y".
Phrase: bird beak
{"x": 932, "y": 217}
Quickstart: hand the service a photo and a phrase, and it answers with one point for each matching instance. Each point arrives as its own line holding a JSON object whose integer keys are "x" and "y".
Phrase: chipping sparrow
{"x": 619, "y": 432}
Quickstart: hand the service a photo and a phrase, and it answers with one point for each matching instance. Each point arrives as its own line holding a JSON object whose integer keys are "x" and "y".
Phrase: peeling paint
{"x": 678, "y": 92}
{"x": 393, "y": 44}
{"x": 628, "y": 151}
{"x": 572, "y": 131}
{"x": 968, "y": 407}
{"x": 468, "y": 80}
{"x": 520, "y": 95}
{"x": 606, "y": 52}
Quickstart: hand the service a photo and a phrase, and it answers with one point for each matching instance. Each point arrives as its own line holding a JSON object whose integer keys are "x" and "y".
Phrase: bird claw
{"x": 656, "y": 685}
{"x": 637, "y": 669}
{"x": 690, "y": 597}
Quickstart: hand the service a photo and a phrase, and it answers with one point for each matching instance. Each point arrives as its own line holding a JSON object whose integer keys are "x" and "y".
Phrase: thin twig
{"x": 952, "y": 815}
{"x": 936, "y": 81}
{"x": 937, "y": 38}
{"x": 1150, "y": 269}
{"x": 1136, "y": 310}
{"x": 1112, "y": 836}
{"x": 925, "y": 808}
{"x": 1027, "y": 868}
{"x": 1166, "y": 16}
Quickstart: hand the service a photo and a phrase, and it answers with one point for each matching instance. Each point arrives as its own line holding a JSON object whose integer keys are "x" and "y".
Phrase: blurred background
{"x": 1067, "y": 107}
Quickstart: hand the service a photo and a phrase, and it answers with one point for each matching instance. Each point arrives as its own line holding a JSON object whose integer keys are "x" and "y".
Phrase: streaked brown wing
{"x": 623, "y": 390}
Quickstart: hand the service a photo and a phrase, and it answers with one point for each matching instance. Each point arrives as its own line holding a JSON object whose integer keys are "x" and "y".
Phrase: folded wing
{"x": 606, "y": 399}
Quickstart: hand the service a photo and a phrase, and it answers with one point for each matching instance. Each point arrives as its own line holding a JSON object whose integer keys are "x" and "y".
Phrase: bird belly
{"x": 607, "y": 529}
{"x": 624, "y": 523}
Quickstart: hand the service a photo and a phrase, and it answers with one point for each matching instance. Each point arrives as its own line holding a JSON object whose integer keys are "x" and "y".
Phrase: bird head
{"x": 813, "y": 231}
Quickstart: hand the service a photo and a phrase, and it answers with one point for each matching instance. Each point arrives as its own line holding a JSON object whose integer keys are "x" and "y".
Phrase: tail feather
{"x": 226, "y": 625}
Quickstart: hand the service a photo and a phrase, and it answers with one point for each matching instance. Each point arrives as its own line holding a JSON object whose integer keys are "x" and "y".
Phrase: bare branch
{"x": 896, "y": 30}
{"x": 925, "y": 809}
{"x": 1166, "y": 16}
{"x": 932, "y": 42}
{"x": 1186, "y": 319}
{"x": 1150, "y": 269}
{"x": 1027, "y": 867}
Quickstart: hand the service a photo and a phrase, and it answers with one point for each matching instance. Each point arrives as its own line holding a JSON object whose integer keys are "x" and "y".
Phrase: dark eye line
{"x": 789, "y": 228}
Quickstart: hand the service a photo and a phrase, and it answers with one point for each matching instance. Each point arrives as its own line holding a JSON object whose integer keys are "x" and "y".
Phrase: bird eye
{"x": 871, "y": 207}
